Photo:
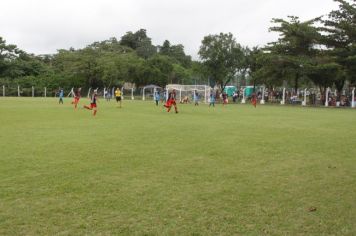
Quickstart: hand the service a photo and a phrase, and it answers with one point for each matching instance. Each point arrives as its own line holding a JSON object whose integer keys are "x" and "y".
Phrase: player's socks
{"x": 94, "y": 114}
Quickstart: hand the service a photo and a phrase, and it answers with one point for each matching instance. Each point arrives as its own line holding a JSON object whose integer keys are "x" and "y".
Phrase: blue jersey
{"x": 196, "y": 97}
{"x": 61, "y": 94}
{"x": 212, "y": 99}
{"x": 157, "y": 97}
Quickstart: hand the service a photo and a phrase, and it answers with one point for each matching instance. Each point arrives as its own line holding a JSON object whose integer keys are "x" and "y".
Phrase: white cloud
{"x": 43, "y": 26}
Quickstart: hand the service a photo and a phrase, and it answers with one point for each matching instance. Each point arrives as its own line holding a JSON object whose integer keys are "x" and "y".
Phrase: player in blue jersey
{"x": 196, "y": 98}
{"x": 61, "y": 95}
{"x": 212, "y": 100}
{"x": 157, "y": 97}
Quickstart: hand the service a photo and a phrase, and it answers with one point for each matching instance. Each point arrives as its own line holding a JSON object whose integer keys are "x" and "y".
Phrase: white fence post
{"x": 18, "y": 90}
{"x": 45, "y": 92}
{"x": 283, "y": 102}
{"x": 33, "y": 91}
{"x": 353, "y": 103}
{"x": 243, "y": 96}
{"x": 304, "y": 103}
{"x": 143, "y": 94}
{"x": 263, "y": 96}
{"x": 327, "y": 97}
{"x": 3, "y": 90}
{"x": 88, "y": 92}
{"x": 71, "y": 92}
{"x": 132, "y": 96}
{"x": 205, "y": 95}
{"x": 167, "y": 93}
{"x": 122, "y": 93}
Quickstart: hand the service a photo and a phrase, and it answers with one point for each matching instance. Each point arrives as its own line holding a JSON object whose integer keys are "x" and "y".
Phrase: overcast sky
{"x": 43, "y": 26}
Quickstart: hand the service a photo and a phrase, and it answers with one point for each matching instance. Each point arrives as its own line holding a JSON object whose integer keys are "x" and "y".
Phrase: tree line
{"x": 320, "y": 52}
{"x": 101, "y": 64}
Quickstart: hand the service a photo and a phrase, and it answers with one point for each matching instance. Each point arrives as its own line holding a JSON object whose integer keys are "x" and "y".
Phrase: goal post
{"x": 188, "y": 91}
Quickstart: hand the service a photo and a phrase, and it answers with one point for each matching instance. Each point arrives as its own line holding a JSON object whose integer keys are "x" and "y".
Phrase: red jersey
{"x": 77, "y": 94}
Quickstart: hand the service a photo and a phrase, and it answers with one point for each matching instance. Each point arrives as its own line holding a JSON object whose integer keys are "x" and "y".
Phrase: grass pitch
{"x": 231, "y": 170}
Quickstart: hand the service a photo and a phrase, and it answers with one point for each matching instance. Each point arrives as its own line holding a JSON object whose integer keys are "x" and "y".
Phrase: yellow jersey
{"x": 117, "y": 93}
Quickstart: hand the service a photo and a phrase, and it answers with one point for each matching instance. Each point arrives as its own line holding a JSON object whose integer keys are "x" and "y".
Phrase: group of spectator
{"x": 314, "y": 97}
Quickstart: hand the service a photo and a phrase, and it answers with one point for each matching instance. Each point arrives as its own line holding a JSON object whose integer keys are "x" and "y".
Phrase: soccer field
{"x": 139, "y": 170}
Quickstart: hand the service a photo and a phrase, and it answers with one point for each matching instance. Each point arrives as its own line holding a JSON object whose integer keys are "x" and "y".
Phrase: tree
{"x": 222, "y": 56}
{"x": 176, "y": 52}
{"x": 265, "y": 69}
{"x": 165, "y": 48}
{"x": 140, "y": 42}
{"x": 8, "y": 51}
{"x": 340, "y": 38}
{"x": 294, "y": 49}
{"x": 8, "y": 54}
{"x": 180, "y": 75}
{"x": 323, "y": 72}
{"x": 145, "y": 49}
{"x": 115, "y": 68}
{"x": 106, "y": 63}
{"x": 160, "y": 70}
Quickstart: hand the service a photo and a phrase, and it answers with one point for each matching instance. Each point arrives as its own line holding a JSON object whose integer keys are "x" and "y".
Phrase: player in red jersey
{"x": 76, "y": 97}
{"x": 225, "y": 99}
{"x": 171, "y": 101}
{"x": 254, "y": 100}
{"x": 93, "y": 101}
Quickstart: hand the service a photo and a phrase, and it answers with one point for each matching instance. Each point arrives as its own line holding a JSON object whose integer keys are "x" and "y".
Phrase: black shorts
{"x": 118, "y": 99}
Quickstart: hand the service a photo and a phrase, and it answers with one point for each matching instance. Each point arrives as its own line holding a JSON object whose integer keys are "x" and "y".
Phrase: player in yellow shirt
{"x": 118, "y": 95}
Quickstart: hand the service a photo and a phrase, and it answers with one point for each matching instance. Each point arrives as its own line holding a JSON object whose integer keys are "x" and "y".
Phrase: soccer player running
{"x": 76, "y": 97}
{"x": 254, "y": 100}
{"x": 171, "y": 101}
{"x": 61, "y": 94}
{"x": 118, "y": 96}
{"x": 93, "y": 101}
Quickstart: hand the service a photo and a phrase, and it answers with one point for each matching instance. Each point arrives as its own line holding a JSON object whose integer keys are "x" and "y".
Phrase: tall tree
{"x": 140, "y": 42}
{"x": 222, "y": 57}
{"x": 145, "y": 49}
{"x": 176, "y": 52}
{"x": 340, "y": 37}
{"x": 165, "y": 48}
{"x": 8, "y": 53}
{"x": 160, "y": 71}
{"x": 294, "y": 48}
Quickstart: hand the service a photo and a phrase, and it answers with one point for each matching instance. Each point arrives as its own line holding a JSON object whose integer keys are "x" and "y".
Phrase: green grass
{"x": 141, "y": 171}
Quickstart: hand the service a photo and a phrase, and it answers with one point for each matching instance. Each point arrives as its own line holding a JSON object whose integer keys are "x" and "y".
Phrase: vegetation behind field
{"x": 312, "y": 53}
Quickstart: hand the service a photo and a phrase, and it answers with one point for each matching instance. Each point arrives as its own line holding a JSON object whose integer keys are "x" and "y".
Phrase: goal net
{"x": 187, "y": 91}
